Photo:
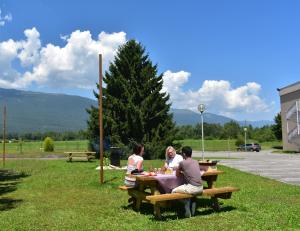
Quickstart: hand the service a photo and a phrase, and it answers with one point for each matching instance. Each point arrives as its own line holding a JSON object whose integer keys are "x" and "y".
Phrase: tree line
{"x": 38, "y": 136}
{"x": 232, "y": 130}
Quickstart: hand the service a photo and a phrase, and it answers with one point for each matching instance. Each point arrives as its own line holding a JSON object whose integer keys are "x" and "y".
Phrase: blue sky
{"x": 230, "y": 55}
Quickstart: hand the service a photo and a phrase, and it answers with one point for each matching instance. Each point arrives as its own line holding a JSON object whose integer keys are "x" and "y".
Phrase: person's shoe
{"x": 187, "y": 208}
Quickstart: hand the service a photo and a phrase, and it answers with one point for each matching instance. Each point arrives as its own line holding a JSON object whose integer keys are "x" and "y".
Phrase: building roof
{"x": 289, "y": 89}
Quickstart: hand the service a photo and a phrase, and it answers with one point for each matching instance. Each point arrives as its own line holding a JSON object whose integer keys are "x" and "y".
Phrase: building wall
{"x": 287, "y": 100}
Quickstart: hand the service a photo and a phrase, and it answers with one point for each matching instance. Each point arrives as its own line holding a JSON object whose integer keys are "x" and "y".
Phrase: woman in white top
{"x": 172, "y": 159}
{"x": 135, "y": 163}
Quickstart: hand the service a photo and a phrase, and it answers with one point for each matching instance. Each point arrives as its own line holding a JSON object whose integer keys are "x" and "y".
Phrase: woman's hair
{"x": 137, "y": 148}
{"x": 167, "y": 150}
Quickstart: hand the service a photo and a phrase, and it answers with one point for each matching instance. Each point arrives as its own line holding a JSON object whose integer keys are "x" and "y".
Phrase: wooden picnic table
{"x": 89, "y": 155}
{"x": 139, "y": 193}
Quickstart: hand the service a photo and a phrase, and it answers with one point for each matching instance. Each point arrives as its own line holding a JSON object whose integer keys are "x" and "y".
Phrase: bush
{"x": 239, "y": 141}
{"x": 48, "y": 144}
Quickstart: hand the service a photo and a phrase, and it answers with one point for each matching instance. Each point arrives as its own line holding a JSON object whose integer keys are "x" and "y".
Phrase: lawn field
{"x": 57, "y": 195}
{"x": 222, "y": 145}
{"x": 35, "y": 148}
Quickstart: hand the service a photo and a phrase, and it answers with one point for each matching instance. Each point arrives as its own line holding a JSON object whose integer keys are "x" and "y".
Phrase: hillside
{"x": 34, "y": 111}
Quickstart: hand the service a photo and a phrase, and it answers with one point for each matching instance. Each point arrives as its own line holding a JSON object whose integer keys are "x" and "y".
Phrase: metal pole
{"x": 4, "y": 131}
{"x": 297, "y": 110}
{"x": 100, "y": 119}
{"x": 202, "y": 136}
{"x": 245, "y": 141}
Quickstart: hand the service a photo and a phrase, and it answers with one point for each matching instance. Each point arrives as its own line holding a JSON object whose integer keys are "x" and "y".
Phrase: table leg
{"x": 215, "y": 204}
{"x": 70, "y": 157}
{"x": 157, "y": 213}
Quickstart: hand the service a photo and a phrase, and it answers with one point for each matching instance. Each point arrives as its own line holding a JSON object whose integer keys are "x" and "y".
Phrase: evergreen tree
{"x": 276, "y": 128}
{"x": 134, "y": 108}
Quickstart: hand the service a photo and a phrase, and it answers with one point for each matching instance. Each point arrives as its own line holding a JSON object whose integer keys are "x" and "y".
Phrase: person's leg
{"x": 193, "y": 206}
{"x": 193, "y": 190}
{"x": 187, "y": 207}
{"x": 180, "y": 189}
{"x": 186, "y": 202}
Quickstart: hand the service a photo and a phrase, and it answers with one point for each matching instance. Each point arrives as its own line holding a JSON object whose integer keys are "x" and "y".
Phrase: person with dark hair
{"x": 190, "y": 170}
{"x": 134, "y": 164}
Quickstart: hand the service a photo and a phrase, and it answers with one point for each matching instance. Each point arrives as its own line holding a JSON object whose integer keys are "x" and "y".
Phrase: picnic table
{"x": 161, "y": 185}
{"x": 89, "y": 155}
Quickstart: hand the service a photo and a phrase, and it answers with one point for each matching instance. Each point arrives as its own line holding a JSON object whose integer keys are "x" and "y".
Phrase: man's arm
{"x": 179, "y": 170}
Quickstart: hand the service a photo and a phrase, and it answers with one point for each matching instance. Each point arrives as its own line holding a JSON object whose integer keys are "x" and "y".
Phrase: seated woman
{"x": 134, "y": 164}
{"x": 172, "y": 159}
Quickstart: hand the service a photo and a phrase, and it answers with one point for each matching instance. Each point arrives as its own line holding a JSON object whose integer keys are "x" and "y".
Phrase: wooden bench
{"x": 137, "y": 197}
{"x": 214, "y": 193}
{"x": 88, "y": 155}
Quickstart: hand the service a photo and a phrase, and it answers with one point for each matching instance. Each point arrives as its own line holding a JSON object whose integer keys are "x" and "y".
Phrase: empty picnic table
{"x": 89, "y": 155}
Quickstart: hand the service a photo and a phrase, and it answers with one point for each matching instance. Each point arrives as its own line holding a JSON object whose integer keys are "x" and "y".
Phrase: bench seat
{"x": 213, "y": 192}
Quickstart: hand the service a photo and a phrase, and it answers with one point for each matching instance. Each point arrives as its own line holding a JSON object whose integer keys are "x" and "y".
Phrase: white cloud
{"x": 5, "y": 18}
{"x": 74, "y": 65}
{"x": 218, "y": 95}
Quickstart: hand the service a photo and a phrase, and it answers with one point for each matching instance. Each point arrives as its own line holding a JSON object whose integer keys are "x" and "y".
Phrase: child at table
{"x": 134, "y": 164}
{"x": 189, "y": 168}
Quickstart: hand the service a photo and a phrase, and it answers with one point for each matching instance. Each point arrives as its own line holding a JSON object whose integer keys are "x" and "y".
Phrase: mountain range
{"x": 29, "y": 111}
{"x": 188, "y": 117}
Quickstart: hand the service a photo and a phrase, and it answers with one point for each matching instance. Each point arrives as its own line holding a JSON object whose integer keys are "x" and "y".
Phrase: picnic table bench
{"x": 138, "y": 195}
{"x": 86, "y": 154}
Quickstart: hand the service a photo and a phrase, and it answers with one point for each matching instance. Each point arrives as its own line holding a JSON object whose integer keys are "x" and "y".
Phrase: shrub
{"x": 48, "y": 144}
{"x": 239, "y": 141}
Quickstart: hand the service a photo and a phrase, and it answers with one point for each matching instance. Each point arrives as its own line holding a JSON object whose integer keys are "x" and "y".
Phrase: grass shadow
{"x": 8, "y": 203}
{"x": 8, "y": 183}
{"x": 176, "y": 210}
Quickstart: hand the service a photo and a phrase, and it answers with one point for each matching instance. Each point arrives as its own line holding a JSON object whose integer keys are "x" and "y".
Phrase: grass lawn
{"x": 35, "y": 148}
{"x": 222, "y": 145}
{"x": 57, "y": 195}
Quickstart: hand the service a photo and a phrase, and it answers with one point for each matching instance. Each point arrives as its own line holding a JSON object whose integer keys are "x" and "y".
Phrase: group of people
{"x": 183, "y": 164}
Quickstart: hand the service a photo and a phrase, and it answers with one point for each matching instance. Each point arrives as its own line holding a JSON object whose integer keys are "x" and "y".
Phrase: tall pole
{"x": 201, "y": 109}
{"x": 202, "y": 136}
{"x": 100, "y": 119}
{"x": 4, "y": 131}
{"x": 245, "y": 130}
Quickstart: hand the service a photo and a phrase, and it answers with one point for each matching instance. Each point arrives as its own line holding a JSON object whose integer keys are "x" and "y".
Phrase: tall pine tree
{"x": 134, "y": 108}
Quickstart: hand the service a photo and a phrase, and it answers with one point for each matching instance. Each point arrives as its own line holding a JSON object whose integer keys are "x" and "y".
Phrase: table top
{"x": 153, "y": 178}
{"x": 83, "y": 152}
{"x": 204, "y": 163}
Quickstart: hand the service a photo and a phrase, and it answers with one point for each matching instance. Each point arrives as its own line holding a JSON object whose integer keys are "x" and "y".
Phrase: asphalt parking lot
{"x": 281, "y": 167}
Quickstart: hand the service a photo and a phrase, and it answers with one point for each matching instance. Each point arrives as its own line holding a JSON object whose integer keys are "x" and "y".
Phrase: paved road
{"x": 281, "y": 167}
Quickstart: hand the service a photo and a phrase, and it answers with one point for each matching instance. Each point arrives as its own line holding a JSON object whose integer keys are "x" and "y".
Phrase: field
{"x": 57, "y": 195}
{"x": 35, "y": 148}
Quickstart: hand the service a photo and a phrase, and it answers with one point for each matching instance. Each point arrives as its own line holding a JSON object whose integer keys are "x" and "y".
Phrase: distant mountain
{"x": 188, "y": 117}
{"x": 39, "y": 112}
{"x": 33, "y": 111}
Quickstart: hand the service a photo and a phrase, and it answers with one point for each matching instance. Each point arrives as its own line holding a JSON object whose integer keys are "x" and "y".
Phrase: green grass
{"x": 35, "y": 148}
{"x": 57, "y": 195}
{"x": 222, "y": 145}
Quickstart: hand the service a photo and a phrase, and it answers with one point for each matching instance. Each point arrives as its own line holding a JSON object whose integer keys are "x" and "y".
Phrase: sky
{"x": 230, "y": 55}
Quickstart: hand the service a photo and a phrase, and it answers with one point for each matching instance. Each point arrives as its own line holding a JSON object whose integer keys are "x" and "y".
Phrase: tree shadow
{"x": 8, "y": 183}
